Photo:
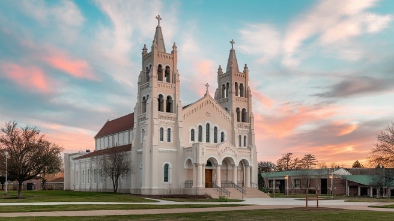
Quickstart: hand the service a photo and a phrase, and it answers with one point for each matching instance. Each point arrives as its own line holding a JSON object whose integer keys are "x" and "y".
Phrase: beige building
{"x": 177, "y": 148}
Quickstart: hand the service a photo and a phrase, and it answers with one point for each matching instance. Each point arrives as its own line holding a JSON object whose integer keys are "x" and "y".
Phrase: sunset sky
{"x": 321, "y": 72}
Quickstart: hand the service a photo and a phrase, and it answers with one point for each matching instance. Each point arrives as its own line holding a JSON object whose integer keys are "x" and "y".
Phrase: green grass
{"x": 390, "y": 206}
{"x": 69, "y": 196}
{"x": 369, "y": 199}
{"x": 272, "y": 215}
{"x": 199, "y": 200}
{"x": 40, "y": 208}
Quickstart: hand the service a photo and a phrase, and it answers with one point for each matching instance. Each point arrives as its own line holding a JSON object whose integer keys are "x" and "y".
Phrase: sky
{"x": 321, "y": 72}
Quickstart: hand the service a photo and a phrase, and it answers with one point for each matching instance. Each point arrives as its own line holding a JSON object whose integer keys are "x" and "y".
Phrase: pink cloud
{"x": 27, "y": 77}
{"x": 205, "y": 74}
{"x": 266, "y": 101}
{"x": 74, "y": 67}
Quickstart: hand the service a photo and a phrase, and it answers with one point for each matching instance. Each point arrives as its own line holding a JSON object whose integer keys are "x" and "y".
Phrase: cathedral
{"x": 176, "y": 148}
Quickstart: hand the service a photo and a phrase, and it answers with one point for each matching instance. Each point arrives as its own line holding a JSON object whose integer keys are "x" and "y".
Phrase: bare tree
{"x": 29, "y": 154}
{"x": 287, "y": 162}
{"x": 383, "y": 153}
{"x": 116, "y": 164}
{"x": 305, "y": 176}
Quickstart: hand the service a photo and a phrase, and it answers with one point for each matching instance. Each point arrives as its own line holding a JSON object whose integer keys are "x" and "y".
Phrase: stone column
{"x": 203, "y": 176}
{"x": 194, "y": 176}
{"x": 371, "y": 191}
{"x": 358, "y": 191}
{"x": 199, "y": 176}
{"x": 218, "y": 179}
{"x": 235, "y": 174}
{"x": 247, "y": 176}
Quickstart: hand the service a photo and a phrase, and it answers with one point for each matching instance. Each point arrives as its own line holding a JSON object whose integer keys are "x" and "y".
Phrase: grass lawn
{"x": 200, "y": 200}
{"x": 69, "y": 196}
{"x": 35, "y": 208}
{"x": 390, "y": 206}
{"x": 288, "y": 214}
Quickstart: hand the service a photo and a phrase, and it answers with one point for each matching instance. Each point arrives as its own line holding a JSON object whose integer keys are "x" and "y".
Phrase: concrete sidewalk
{"x": 251, "y": 204}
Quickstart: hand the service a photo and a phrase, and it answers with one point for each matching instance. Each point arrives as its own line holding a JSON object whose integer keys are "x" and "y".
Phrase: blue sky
{"x": 321, "y": 72}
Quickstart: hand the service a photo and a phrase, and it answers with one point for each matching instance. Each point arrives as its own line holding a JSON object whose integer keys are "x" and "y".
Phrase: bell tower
{"x": 158, "y": 108}
{"x": 234, "y": 95}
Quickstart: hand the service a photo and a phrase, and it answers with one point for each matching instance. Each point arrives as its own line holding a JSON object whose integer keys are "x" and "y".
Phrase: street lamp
{"x": 287, "y": 185}
{"x": 6, "y": 171}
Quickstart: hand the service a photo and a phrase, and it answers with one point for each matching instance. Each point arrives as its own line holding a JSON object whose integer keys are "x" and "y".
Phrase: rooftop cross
{"x": 232, "y": 43}
{"x": 158, "y": 19}
{"x": 207, "y": 85}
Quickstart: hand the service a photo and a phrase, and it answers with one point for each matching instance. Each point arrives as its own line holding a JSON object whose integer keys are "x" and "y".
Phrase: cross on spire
{"x": 232, "y": 43}
{"x": 207, "y": 85}
{"x": 158, "y": 19}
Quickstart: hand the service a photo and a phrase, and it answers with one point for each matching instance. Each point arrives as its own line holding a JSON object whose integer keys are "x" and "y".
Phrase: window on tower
{"x": 244, "y": 115}
{"x": 236, "y": 89}
{"x": 147, "y": 74}
{"x": 169, "y": 135}
{"x": 223, "y": 91}
{"x": 238, "y": 114}
{"x": 241, "y": 90}
{"x": 169, "y": 104}
{"x": 143, "y": 105}
{"x": 167, "y": 74}
{"x": 222, "y": 137}
{"x": 244, "y": 141}
{"x": 227, "y": 87}
{"x": 160, "y": 72}
{"x": 240, "y": 141}
{"x": 160, "y": 101}
{"x": 161, "y": 134}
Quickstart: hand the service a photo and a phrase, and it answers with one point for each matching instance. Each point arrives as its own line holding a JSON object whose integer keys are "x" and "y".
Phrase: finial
{"x": 174, "y": 46}
{"x": 158, "y": 20}
{"x": 246, "y": 66}
{"x": 207, "y": 85}
{"x": 232, "y": 43}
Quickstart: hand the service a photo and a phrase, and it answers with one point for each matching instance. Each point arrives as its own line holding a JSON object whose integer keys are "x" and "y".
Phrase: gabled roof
{"x": 122, "y": 148}
{"x": 117, "y": 125}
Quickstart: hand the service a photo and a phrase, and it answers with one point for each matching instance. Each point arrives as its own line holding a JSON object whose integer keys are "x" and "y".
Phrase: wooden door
{"x": 208, "y": 178}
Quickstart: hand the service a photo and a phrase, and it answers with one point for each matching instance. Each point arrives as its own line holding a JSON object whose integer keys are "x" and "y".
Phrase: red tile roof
{"x": 122, "y": 148}
{"x": 117, "y": 125}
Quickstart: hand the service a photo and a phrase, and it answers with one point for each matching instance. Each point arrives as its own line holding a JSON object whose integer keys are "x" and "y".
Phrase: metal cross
{"x": 207, "y": 85}
{"x": 158, "y": 19}
{"x": 232, "y": 43}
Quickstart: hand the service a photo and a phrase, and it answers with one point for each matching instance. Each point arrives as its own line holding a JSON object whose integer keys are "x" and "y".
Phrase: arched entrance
{"x": 244, "y": 173}
{"x": 209, "y": 172}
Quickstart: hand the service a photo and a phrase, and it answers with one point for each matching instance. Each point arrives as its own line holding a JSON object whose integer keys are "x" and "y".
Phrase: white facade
{"x": 179, "y": 148}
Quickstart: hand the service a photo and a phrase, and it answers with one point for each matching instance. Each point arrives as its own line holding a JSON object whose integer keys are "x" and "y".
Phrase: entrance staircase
{"x": 235, "y": 192}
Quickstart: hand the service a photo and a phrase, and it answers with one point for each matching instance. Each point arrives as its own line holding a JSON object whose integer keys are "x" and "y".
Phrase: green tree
{"x": 308, "y": 161}
{"x": 29, "y": 154}
{"x": 357, "y": 164}
{"x": 383, "y": 153}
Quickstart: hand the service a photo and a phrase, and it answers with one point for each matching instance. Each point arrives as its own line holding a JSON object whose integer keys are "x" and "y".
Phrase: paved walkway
{"x": 251, "y": 204}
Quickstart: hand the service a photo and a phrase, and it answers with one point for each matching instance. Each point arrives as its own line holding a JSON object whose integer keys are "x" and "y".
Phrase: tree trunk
{"x": 20, "y": 183}
{"x": 306, "y": 198}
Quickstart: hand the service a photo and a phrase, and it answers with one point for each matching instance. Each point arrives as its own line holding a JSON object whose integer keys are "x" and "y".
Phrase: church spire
{"x": 159, "y": 36}
{"x": 232, "y": 59}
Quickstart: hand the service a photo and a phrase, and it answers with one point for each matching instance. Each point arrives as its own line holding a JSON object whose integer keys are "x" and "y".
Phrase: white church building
{"x": 176, "y": 148}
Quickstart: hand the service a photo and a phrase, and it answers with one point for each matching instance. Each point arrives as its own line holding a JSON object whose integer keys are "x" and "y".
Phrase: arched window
{"x": 227, "y": 87}
{"x": 160, "y": 72}
{"x": 207, "y": 133}
{"x": 169, "y": 135}
{"x": 223, "y": 91}
{"x": 160, "y": 101}
{"x": 161, "y": 134}
{"x": 192, "y": 135}
{"x": 244, "y": 141}
{"x": 241, "y": 90}
{"x": 244, "y": 115}
{"x": 169, "y": 104}
{"x": 167, "y": 74}
{"x": 147, "y": 74}
{"x": 222, "y": 137}
{"x": 215, "y": 135}
{"x": 200, "y": 133}
{"x": 166, "y": 172}
{"x": 238, "y": 114}
{"x": 236, "y": 88}
{"x": 240, "y": 141}
{"x": 143, "y": 105}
